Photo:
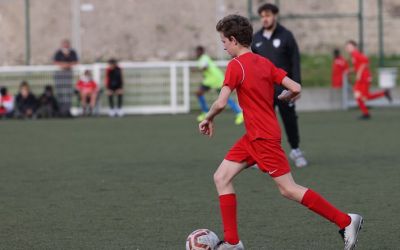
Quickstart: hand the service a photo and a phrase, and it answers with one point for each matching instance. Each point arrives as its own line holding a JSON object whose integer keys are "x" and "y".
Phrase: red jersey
{"x": 6, "y": 103}
{"x": 339, "y": 67}
{"x": 253, "y": 77}
{"x": 86, "y": 86}
{"x": 359, "y": 59}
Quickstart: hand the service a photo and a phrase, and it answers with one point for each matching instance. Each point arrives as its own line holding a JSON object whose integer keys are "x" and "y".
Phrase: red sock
{"x": 376, "y": 95}
{"x": 319, "y": 205}
{"x": 362, "y": 106}
{"x": 227, "y": 203}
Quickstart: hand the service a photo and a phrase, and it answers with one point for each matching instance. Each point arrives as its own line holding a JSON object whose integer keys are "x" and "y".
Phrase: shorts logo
{"x": 258, "y": 44}
{"x": 276, "y": 42}
{"x": 271, "y": 172}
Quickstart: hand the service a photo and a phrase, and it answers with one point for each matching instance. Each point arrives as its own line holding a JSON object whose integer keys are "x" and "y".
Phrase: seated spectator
{"x": 6, "y": 103}
{"x": 87, "y": 88}
{"x": 26, "y": 102}
{"x": 48, "y": 105}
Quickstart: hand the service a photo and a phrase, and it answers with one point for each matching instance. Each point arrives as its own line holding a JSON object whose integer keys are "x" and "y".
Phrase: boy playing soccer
{"x": 363, "y": 80}
{"x": 253, "y": 77}
{"x": 212, "y": 79}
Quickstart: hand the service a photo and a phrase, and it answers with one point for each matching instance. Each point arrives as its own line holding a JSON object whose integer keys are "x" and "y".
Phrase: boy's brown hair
{"x": 352, "y": 42}
{"x": 237, "y": 26}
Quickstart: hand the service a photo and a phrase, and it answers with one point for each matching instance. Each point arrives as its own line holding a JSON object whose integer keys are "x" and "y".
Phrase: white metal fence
{"x": 149, "y": 87}
{"x": 165, "y": 87}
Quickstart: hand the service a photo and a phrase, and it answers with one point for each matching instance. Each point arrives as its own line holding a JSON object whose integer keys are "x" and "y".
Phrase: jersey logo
{"x": 258, "y": 44}
{"x": 276, "y": 42}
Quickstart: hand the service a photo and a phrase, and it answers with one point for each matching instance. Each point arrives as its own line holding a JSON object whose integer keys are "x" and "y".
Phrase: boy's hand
{"x": 206, "y": 127}
{"x": 288, "y": 96}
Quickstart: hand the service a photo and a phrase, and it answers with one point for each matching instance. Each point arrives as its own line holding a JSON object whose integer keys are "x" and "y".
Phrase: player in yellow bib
{"x": 213, "y": 78}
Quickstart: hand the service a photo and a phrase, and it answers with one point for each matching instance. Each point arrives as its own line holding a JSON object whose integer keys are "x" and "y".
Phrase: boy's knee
{"x": 218, "y": 178}
{"x": 287, "y": 192}
{"x": 221, "y": 178}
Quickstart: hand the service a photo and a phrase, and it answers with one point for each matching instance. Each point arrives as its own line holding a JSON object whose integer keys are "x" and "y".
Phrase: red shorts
{"x": 362, "y": 85}
{"x": 267, "y": 153}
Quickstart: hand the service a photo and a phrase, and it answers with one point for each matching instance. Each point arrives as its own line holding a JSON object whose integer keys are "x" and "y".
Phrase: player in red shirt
{"x": 339, "y": 68}
{"x": 253, "y": 77}
{"x": 6, "y": 103}
{"x": 363, "y": 79}
{"x": 87, "y": 88}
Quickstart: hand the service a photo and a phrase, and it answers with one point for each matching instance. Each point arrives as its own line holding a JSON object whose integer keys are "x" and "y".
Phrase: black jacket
{"x": 23, "y": 104}
{"x": 281, "y": 49}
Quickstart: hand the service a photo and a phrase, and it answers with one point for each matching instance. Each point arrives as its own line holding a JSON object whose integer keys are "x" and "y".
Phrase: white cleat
{"x": 297, "y": 156}
{"x": 222, "y": 245}
{"x": 350, "y": 233}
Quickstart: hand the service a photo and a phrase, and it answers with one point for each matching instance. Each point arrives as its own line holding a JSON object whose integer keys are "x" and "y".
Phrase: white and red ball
{"x": 202, "y": 239}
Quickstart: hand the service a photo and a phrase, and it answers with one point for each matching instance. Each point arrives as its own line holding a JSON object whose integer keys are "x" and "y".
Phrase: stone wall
{"x": 170, "y": 29}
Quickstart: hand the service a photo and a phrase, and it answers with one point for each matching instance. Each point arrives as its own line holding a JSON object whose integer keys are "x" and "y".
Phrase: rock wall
{"x": 170, "y": 29}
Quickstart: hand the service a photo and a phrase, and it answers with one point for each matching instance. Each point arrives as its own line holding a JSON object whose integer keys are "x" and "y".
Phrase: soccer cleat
{"x": 364, "y": 117}
{"x": 222, "y": 245}
{"x": 388, "y": 95}
{"x": 239, "y": 118}
{"x": 201, "y": 117}
{"x": 297, "y": 156}
{"x": 350, "y": 233}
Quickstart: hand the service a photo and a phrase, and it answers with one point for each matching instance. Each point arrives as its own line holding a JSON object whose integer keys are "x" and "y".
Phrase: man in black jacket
{"x": 275, "y": 42}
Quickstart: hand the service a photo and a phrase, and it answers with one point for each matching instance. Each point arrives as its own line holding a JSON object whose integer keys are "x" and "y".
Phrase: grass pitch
{"x": 145, "y": 182}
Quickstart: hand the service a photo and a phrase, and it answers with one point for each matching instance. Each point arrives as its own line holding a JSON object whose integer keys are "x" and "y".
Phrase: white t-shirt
{"x": 267, "y": 34}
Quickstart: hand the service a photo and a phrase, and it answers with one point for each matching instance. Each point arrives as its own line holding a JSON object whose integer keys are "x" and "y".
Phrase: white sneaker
{"x": 350, "y": 233}
{"x": 120, "y": 113}
{"x": 222, "y": 245}
{"x": 111, "y": 112}
{"x": 297, "y": 156}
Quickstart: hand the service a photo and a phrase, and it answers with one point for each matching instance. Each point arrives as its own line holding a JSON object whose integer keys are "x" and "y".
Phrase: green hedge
{"x": 316, "y": 69}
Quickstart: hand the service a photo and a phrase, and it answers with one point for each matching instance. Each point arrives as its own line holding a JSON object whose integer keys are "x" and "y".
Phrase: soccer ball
{"x": 202, "y": 239}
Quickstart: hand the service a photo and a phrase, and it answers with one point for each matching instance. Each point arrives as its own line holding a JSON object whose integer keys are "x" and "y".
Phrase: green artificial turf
{"x": 145, "y": 182}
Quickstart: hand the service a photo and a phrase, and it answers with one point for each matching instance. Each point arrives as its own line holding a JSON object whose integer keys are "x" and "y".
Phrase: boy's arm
{"x": 293, "y": 90}
{"x": 206, "y": 127}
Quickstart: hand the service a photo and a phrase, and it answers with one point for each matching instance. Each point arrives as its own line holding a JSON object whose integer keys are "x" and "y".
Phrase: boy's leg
{"x": 202, "y": 100}
{"x": 119, "y": 93}
{"x": 110, "y": 99}
{"x": 364, "y": 84}
{"x": 119, "y": 100}
{"x": 362, "y": 106}
{"x": 223, "y": 178}
{"x": 312, "y": 200}
{"x": 83, "y": 102}
{"x": 93, "y": 97}
{"x": 359, "y": 96}
{"x": 349, "y": 224}
{"x": 378, "y": 94}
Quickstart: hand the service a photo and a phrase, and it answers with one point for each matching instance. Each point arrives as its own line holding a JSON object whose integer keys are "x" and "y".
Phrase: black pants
{"x": 64, "y": 90}
{"x": 289, "y": 118}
